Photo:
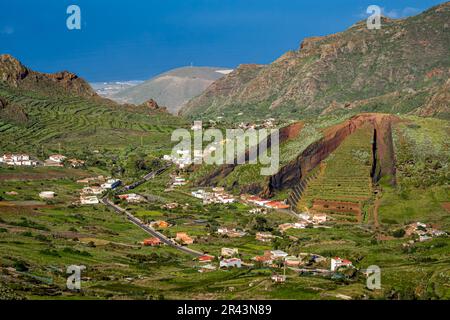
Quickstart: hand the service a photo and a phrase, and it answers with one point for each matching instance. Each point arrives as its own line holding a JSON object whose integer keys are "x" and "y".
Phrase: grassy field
{"x": 422, "y": 152}
{"x": 344, "y": 175}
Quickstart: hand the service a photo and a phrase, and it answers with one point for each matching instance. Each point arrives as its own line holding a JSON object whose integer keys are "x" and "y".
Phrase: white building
{"x": 300, "y": 225}
{"x": 111, "y": 184}
{"x": 17, "y": 160}
{"x": 231, "y": 263}
{"x": 224, "y": 198}
{"x": 337, "y": 262}
{"x": 89, "y": 200}
{"x": 228, "y": 252}
{"x": 179, "y": 181}
{"x": 199, "y": 194}
{"x": 132, "y": 197}
{"x": 304, "y": 216}
{"x": 319, "y": 218}
{"x": 57, "y": 158}
{"x": 92, "y": 190}
{"x": 278, "y": 278}
{"x": 47, "y": 195}
{"x": 197, "y": 125}
{"x": 278, "y": 254}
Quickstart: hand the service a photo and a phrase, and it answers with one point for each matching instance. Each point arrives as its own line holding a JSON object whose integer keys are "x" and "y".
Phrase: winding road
{"x": 107, "y": 202}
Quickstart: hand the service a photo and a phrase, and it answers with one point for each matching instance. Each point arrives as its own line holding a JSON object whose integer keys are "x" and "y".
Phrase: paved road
{"x": 148, "y": 229}
{"x": 144, "y": 179}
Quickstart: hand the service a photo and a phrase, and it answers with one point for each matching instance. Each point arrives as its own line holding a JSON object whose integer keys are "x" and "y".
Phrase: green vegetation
{"x": 345, "y": 174}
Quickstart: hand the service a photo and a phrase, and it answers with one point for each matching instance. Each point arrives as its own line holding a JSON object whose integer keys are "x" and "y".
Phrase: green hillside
{"x": 401, "y": 68}
{"x": 78, "y": 123}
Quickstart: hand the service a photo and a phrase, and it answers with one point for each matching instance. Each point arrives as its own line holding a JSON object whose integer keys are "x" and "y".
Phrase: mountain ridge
{"x": 354, "y": 70}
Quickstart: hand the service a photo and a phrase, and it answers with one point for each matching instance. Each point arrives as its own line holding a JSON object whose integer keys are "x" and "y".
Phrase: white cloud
{"x": 394, "y": 13}
{"x": 400, "y": 13}
{"x": 8, "y": 30}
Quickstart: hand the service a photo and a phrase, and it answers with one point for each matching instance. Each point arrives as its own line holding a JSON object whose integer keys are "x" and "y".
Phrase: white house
{"x": 224, "y": 198}
{"x": 20, "y": 159}
{"x": 179, "y": 181}
{"x": 264, "y": 236}
{"x": 199, "y": 194}
{"x": 206, "y": 268}
{"x": 278, "y": 254}
{"x": 319, "y": 218}
{"x": 300, "y": 225}
{"x": 111, "y": 184}
{"x": 47, "y": 195}
{"x": 197, "y": 125}
{"x": 278, "y": 278}
{"x": 230, "y": 263}
{"x": 337, "y": 262}
{"x": 57, "y": 158}
{"x": 228, "y": 252}
{"x": 89, "y": 200}
{"x": 93, "y": 190}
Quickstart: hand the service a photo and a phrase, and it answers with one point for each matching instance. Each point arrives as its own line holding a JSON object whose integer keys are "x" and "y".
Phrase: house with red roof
{"x": 337, "y": 263}
{"x": 152, "y": 242}
{"x": 206, "y": 258}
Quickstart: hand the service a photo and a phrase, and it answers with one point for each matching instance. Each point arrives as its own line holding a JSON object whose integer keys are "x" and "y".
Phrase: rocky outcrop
{"x": 11, "y": 70}
{"x": 151, "y": 105}
{"x": 14, "y": 74}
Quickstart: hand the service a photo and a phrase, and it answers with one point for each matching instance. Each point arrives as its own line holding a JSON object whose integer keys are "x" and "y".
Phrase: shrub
{"x": 21, "y": 266}
{"x": 50, "y": 252}
{"x": 399, "y": 233}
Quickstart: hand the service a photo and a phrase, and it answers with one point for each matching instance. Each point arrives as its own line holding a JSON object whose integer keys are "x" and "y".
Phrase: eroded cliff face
{"x": 292, "y": 173}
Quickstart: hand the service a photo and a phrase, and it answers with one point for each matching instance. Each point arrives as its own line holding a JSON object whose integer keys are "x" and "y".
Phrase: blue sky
{"x": 137, "y": 39}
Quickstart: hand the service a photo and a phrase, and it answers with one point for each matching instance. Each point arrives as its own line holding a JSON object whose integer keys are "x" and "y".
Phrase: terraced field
{"x": 80, "y": 123}
{"x": 345, "y": 174}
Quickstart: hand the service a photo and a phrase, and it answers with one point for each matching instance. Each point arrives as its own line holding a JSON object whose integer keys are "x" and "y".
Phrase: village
{"x": 95, "y": 188}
